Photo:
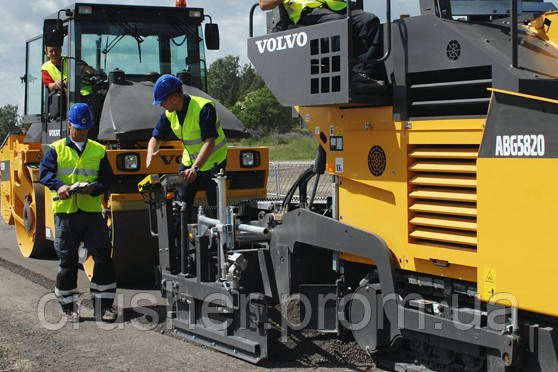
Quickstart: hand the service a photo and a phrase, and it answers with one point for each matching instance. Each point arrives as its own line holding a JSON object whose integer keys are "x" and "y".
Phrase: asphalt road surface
{"x": 33, "y": 338}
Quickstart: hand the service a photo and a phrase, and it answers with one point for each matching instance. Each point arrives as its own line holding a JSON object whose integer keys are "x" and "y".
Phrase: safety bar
{"x": 252, "y": 10}
{"x": 513, "y": 30}
{"x": 253, "y": 229}
{"x": 388, "y": 23}
{"x": 241, "y": 227}
{"x": 208, "y": 220}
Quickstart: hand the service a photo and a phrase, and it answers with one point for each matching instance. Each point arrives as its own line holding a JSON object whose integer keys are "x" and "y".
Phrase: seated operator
{"x": 365, "y": 33}
{"x": 54, "y": 79}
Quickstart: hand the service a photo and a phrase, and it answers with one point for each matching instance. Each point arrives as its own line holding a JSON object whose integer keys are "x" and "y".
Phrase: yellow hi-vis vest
{"x": 295, "y": 7}
{"x": 72, "y": 168}
{"x": 55, "y": 74}
{"x": 189, "y": 133}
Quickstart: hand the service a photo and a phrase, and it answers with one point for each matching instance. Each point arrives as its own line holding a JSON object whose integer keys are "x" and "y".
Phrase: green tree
{"x": 9, "y": 120}
{"x": 229, "y": 82}
{"x": 249, "y": 81}
{"x": 262, "y": 114}
{"x": 223, "y": 80}
{"x": 243, "y": 91}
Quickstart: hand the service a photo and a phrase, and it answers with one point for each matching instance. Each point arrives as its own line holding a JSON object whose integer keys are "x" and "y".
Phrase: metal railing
{"x": 282, "y": 175}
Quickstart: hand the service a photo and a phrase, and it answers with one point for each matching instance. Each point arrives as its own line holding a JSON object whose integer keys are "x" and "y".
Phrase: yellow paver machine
{"x": 436, "y": 247}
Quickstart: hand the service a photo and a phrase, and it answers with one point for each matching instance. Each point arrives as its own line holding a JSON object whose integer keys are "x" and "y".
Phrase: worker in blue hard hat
{"x": 77, "y": 172}
{"x": 193, "y": 120}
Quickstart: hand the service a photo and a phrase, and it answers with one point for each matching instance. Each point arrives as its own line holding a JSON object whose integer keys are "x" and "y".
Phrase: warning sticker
{"x": 339, "y": 168}
{"x": 489, "y": 276}
{"x": 48, "y": 233}
{"x": 489, "y": 282}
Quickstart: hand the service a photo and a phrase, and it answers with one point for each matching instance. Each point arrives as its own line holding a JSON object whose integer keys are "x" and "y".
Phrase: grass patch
{"x": 284, "y": 147}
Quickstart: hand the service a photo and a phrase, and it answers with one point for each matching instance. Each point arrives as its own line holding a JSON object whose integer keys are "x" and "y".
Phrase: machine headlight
{"x": 249, "y": 159}
{"x": 88, "y": 10}
{"x": 128, "y": 162}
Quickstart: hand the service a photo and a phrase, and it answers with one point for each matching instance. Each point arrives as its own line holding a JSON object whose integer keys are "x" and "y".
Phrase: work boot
{"x": 71, "y": 316}
{"x": 364, "y": 84}
{"x": 108, "y": 314}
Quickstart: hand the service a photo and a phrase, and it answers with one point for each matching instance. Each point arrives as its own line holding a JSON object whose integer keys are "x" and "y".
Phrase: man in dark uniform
{"x": 194, "y": 121}
{"x": 77, "y": 216}
{"x": 365, "y": 33}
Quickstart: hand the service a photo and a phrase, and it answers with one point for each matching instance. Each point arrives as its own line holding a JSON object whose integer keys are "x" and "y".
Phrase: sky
{"x": 22, "y": 20}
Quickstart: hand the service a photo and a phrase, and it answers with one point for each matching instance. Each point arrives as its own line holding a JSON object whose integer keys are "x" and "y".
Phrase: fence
{"x": 282, "y": 175}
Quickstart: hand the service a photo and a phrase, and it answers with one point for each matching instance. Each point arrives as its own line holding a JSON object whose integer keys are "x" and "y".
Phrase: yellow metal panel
{"x": 374, "y": 209}
{"x": 374, "y": 203}
{"x": 357, "y": 259}
{"x": 427, "y": 251}
{"x": 453, "y": 270}
{"x": 445, "y": 194}
{"x": 49, "y": 216}
{"x": 517, "y": 201}
{"x": 445, "y": 222}
{"x": 233, "y": 158}
{"x": 450, "y": 153}
{"x": 438, "y": 180}
{"x": 443, "y": 236}
{"x": 127, "y": 202}
{"x": 381, "y": 204}
{"x": 32, "y": 156}
{"x": 448, "y": 125}
{"x": 438, "y": 166}
{"x": 444, "y": 208}
{"x": 167, "y": 160}
{"x": 6, "y": 202}
{"x": 462, "y": 137}
{"x": 546, "y": 33}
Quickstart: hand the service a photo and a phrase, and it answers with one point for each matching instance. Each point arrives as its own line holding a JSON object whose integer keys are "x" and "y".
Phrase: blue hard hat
{"x": 164, "y": 87}
{"x": 80, "y": 116}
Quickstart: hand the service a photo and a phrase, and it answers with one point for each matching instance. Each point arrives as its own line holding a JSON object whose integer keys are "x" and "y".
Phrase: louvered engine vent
{"x": 454, "y": 92}
{"x": 443, "y": 195}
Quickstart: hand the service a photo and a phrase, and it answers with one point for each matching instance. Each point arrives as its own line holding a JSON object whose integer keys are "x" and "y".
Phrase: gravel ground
{"x": 26, "y": 345}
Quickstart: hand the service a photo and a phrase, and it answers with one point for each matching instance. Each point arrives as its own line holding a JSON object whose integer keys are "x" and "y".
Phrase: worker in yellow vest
{"x": 54, "y": 72}
{"x": 365, "y": 34}
{"x": 193, "y": 120}
{"x": 70, "y": 162}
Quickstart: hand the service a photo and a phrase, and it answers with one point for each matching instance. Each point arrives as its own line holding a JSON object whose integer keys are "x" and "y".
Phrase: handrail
{"x": 252, "y": 10}
{"x": 513, "y": 30}
{"x": 388, "y": 22}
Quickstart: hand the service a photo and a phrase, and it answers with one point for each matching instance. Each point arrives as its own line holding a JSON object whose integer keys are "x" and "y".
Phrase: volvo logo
{"x": 274, "y": 44}
{"x": 169, "y": 159}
